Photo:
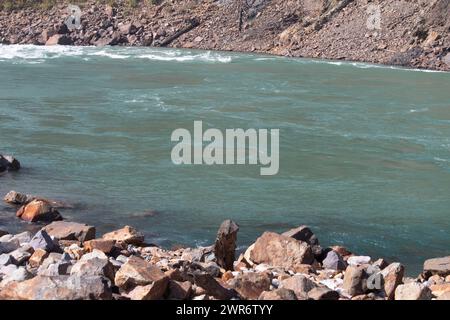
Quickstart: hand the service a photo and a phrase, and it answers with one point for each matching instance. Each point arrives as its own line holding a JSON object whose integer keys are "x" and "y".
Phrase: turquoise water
{"x": 364, "y": 150}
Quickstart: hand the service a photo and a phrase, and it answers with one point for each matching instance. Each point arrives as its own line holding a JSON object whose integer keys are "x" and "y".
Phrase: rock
{"x": 58, "y": 288}
{"x": 63, "y": 230}
{"x": 23, "y": 238}
{"x": 300, "y": 284}
{"x": 341, "y": 250}
{"x": 446, "y": 59}
{"x": 9, "y": 163}
{"x": 127, "y": 28}
{"x": 38, "y": 210}
{"x": 355, "y": 280}
{"x": 278, "y": 294}
{"x": 59, "y": 39}
{"x": 250, "y": 285}
{"x": 246, "y": 256}
{"x": 212, "y": 287}
{"x": 6, "y": 259}
{"x": 149, "y": 292}
{"x": 127, "y": 235}
{"x": 103, "y": 245}
{"x": 322, "y": 293}
{"x": 17, "y": 198}
{"x": 95, "y": 263}
{"x": 21, "y": 254}
{"x": 334, "y": 261}
{"x": 392, "y": 277}
{"x": 3, "y": 233}
{"x": 179, "y": 290}
{"x": 7, "y": 247}
{"x": 281, "y": 251}
{"x": 138, "y": 272}
{"x": 55, "y": 269}
{"x": 358, "y": 260}
{"x": 302, "y": 233}
{"x": 445, "y": 296}
{"x": 37, "y": 258}
{"x": 380, "y": 264}
{"x": 20, "y": 274}
{"x": 440, "y": 266}
{"x": 413, "y": 291}
{"x": 440, "y": 289}
{"x": 42, "y": 240}
{"x": 225, "y": 246}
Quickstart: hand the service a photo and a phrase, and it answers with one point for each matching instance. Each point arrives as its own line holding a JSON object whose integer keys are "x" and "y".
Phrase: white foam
{"x": 104, "y": 53}
{"x": 181, "y": 57}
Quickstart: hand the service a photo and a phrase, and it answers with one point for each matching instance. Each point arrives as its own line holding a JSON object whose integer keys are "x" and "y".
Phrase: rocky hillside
{"x": 413, "y": 33}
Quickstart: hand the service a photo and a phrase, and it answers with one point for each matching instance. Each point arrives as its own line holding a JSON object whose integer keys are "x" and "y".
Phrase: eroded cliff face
{"x": 409, "y": 33}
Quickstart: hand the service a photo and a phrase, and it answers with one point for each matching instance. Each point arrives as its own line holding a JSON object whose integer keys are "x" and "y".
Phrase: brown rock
{"x": 341, "y": 250}
{"x": 59, "y": 39}
{"x": 250, "y": 285}
{"x": 225, "y": 246}
{"x": 355, "y": 280}
{"x": 322, "y": 293}
{"x": 138, "y": 272}
{"x": 300, "y": 284}
{"x": 280, "y": 251}
{"x": 127, "y": 235}
{"x": 392, "y": 277}
{"x": 278, "y": 294}
{"x": 227, "y": 276}
{"x": 440, "y": 289}
{"x": 440, "y": 266}
{"x": 38, "y": 210}
{"x": 58, "y": 288}
{"x": 154, "y": 291}
{"x": 63, "y": 230}
{"x": 179, "y": 290}
{"x": 212, "y": 287}
{"x": 103, "y": 245}
{"x": 37, "y": 258}
{"x": 444, "y": 296}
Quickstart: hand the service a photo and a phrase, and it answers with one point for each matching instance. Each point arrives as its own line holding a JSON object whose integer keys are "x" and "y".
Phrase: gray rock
{"x": 22, "y": 238}
{"x": 300, "y": 284}
{"x": 19, "y": 274}
{"x": 358, "y": 260}
{"x": 334, "y": 261}
{"x": 7, "y": 247}
{"x": 5, "y": 259}
{"x": 55, "y": 269}
{"x": 93, "y": 264}
{"x": 21, "y": 255}
{"x": 42, "y": 240}
{"x": 9, "y": 163}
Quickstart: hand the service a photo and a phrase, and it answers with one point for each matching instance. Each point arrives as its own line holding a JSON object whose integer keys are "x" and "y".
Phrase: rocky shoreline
{"x": 68, "y": 260}
{"x": 411, "y": 34}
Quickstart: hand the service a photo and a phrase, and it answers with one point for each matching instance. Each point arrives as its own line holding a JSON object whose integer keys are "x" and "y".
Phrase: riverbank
{"x": 409, "y": 34}
{"x": 68, "y": 260}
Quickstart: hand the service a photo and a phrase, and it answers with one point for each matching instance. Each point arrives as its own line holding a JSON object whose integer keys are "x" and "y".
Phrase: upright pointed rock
{"x": 225, "y": 246}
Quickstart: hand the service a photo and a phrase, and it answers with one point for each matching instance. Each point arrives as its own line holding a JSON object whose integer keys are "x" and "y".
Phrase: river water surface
{"x": 364, "y": 150}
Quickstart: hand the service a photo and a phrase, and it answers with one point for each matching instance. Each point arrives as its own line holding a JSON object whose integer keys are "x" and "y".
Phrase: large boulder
{"x": 138, "y": 272}
{"x": 355, "y": 280}
{"x": 38, "y": 210}
{"x": 440, "y": 266}
{"x": 127, "y": 234}
{"x": 9, "y": 163}
{"x": 392, "y": 278}
{"x": 225, "y": 246}
{"x": 63, "y": 230}
{"x": 413, "y": 291}
{"x": 58, "y": 288}
{"x": 281, "y": 251}
{"x": 95, "y": 263}
{"x": 300, "y": 284}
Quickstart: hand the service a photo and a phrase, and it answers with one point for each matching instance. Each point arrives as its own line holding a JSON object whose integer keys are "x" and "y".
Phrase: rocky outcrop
{"x": 225, "y": 245}
{"x": 440, "y": 266}
{"x": 63, "y": 230}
